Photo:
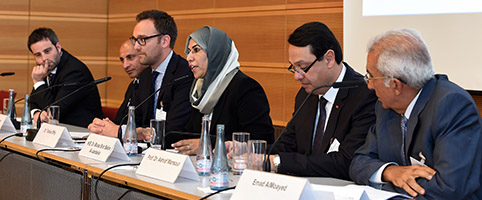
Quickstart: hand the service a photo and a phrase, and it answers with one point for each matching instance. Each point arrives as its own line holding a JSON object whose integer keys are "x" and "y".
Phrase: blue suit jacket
{"x": 445, "y": 126}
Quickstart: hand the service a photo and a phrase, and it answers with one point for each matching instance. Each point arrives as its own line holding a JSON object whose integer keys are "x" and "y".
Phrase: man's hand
{"x": 104, "y": 127}
{"x": 187, "y": 147}
{"x": 404, "y": 177}
{"x": 43, "y": 117}
{"x": 39, "y": 72}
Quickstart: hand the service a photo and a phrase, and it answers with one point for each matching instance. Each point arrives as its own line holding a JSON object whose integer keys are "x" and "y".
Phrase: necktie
{"x": 155, "y": 74}
{"x": 320, "y": 127}
{"x": 403, "y": 125}
{"x": 50, "y": 78}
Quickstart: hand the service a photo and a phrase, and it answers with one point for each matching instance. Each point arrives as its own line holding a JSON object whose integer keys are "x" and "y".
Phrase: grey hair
{"x": 403, "y": 54}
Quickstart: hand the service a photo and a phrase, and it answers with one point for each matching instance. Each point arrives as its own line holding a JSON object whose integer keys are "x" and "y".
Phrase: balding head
{"x": 130, "y": 60}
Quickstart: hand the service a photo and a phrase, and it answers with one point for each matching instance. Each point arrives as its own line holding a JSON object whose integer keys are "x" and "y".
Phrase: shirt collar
{"x": 163, "y": 66}
{"x": 409, "y": 109}
{"x": 330, "y": 95}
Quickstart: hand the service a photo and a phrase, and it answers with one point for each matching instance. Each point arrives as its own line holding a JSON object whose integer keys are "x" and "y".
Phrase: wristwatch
{"x": 276, "y": 162}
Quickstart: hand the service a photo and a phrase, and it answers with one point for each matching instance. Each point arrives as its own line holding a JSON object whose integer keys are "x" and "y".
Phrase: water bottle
{"x": 204, "y": 151}
{"x": 130, "y": 137}
{"x": 219, "y": 169}
{"x": 11, "y": 112}
{"x": 26, "y": 118}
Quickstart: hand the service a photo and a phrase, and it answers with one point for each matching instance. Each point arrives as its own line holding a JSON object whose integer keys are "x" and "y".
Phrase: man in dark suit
{"x": 57, "y": 66}
{"x": 427, "y": 140}
{"x": 153, "y": 38}
{"x": 333, "y": 123}
{"x": 133, "y": 68}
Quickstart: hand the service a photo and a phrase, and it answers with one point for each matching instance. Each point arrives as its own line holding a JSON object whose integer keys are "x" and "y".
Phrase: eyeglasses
{"x": 142, "y": 41}
{"x": 294, "y": 69}
{"x": 367, "y": 78}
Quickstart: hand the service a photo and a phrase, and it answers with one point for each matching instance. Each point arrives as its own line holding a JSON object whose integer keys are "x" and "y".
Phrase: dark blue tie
{"x": 155, "y": 74}
{"x": 403, "y": 124}
{"x": 320, "y": 127}
{"x": 51, "y": 78}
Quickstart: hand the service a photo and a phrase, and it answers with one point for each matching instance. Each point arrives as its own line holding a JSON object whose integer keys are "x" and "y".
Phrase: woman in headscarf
{"x": 221, "y": 91}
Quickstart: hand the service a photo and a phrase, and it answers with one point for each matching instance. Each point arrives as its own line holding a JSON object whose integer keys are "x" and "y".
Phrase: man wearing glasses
{"x": 427, "y": 141}
{"x": 154, "y": 37}
{"x": 333, "y": 123}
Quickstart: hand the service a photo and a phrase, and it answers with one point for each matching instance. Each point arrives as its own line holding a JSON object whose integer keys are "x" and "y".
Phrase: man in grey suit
{"x": 427, "y": 138}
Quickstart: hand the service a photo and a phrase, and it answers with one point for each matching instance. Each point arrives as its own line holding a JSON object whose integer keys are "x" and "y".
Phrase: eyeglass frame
{"x": 304, "y": 71}
{"x": 366, "y": 78}
{"x": 138, "y": 40}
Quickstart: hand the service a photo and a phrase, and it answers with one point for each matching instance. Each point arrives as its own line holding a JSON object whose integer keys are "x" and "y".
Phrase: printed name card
{"x": 167, "y": 166}
{"x": 53, "y": 136}
{"x": 103, "y": 148}
{"x": 264, "y": 185}
{"x": 6, "y": 126}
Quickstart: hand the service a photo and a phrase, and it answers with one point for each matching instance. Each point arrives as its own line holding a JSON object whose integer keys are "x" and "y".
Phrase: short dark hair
{"x": 163, "y": 22}
{"x": 319, "y": 36}
{"x": 41, "y": 34}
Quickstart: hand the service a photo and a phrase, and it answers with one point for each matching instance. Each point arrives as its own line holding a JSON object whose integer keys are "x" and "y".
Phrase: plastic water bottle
{"x": 11, "y": 112}
{"x": 26, "y": 118}
{"x": 130, "y": 137}
{"x": 219, "y": 169}
{"x": 204, "y": 151}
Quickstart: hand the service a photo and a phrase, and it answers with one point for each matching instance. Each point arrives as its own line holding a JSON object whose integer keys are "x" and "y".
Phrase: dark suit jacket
{"x": 351, "y": 116}
{"x": 80, "y": 108}
{"x": 123, "y": 109}
{"x": 445, "y": 126}
{"x": 174, "y": 96}
{"x": 243, "y": 107}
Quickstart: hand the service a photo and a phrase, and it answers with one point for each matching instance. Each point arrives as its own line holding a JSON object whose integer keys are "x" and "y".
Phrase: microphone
{"x": 50, "y": 87}
{"x": 348, "y": 84}
{"x": 7, "y": 73}
{"x": 341, "y": 85}
{"x": 102, "y": 80}
{"x": 119, "y": 131}
{"x": 70, "y": 94}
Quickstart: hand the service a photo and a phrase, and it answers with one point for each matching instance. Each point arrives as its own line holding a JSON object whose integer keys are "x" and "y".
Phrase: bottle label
{"x": 203, "y": 166}
{"x": 219, "y": 180}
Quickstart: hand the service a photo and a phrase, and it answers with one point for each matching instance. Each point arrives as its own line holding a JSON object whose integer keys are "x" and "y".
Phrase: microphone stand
{"x": 50, "y": 87}
{"x": 68, "y": 95}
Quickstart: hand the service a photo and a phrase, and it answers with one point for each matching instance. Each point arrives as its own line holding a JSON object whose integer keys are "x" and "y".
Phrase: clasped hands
{"x": 109, "y": 128}
{"x": 405, "y": 177}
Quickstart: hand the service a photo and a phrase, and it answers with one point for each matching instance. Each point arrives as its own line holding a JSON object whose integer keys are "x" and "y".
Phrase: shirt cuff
{"x": 38, "y": 84}
{"x": 377, "y": 176}
{"x": 33, "y": 111}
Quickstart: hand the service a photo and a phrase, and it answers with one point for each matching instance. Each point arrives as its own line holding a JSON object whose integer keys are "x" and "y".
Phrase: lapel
{"x": 425, "y": 95}
{"x": 169, "y": 74}
{"x": 335, "y": 110}
{"x": 306, "y": 127}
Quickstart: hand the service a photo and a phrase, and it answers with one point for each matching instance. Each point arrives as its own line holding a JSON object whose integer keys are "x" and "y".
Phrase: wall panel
{"x": 93, "y": 30}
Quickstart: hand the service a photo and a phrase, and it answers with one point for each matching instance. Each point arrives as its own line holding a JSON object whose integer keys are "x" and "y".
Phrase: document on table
{"x": 79, "y": 135}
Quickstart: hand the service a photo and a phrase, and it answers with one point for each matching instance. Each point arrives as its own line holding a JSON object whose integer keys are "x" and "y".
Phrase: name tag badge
{"x": 53, "y": 136}
{"x": 103, "y": 148}
{"x": 6, "y": 125}
{"x": 166, "y": 166}
{"x": 160, "y": 114}
{"x": 263, "y": 185}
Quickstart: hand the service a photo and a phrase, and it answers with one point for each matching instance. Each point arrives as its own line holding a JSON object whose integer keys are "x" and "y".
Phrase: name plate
{"x": 53, "y": 136}
{"x": 264, "y": 185}
{"x": 166, "y": 166}
{"x": 6, "y": 126}
{"x": 103, "y": 148}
